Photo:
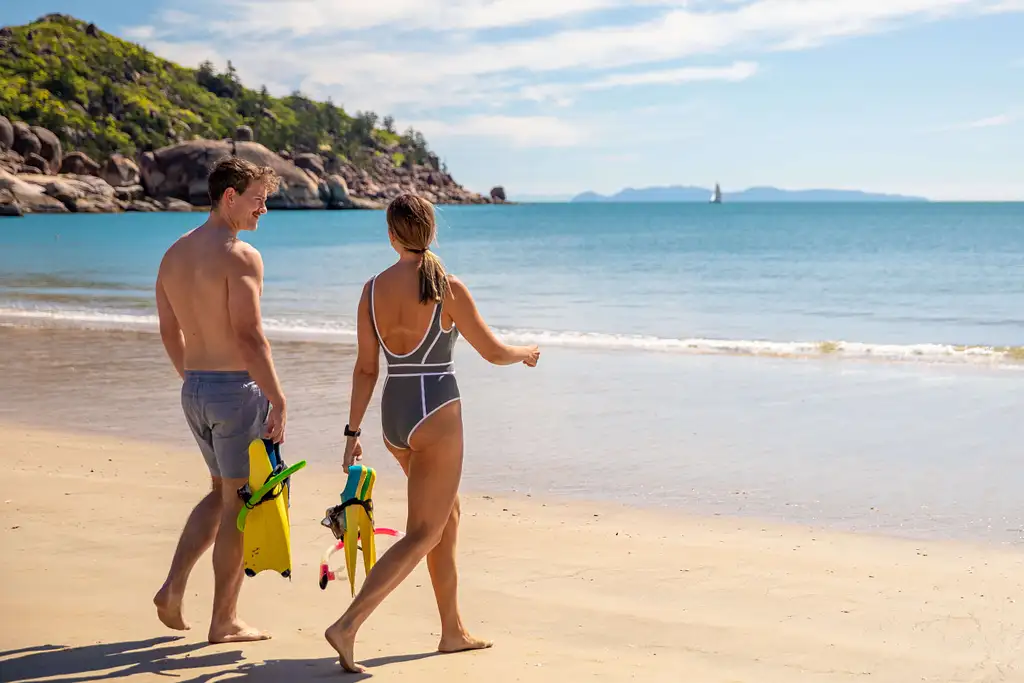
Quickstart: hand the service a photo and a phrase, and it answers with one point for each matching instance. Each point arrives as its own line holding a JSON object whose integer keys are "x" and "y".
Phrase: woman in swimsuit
{"x": 414, "y": 311}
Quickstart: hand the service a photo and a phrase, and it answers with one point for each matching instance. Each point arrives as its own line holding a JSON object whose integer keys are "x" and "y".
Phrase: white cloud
{"x": 304, "y": 17}
{"x": 145, "y": 32}
{"x": 738, "y": 71}
{"x": 177, "y": 17}
{"x": 189, "y": 52}
{"x": 561, "y": 94}
{"x": 987, "y": 122}
{"x": 520, "y": 131}
{"x": 682, "y": 33}
{"x": 998, "y": 120}
{"x": 675, "y": 34}
{"x": 419, "y": 58}
{"x": 1006, "y": 6}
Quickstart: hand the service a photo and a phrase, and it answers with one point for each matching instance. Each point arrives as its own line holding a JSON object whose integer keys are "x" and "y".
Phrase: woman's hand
{"x": 353, "y": 452}
{"x": 532, "y": 356}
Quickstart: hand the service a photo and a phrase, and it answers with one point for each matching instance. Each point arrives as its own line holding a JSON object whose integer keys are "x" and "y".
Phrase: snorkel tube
{"x": 351, "y": 522}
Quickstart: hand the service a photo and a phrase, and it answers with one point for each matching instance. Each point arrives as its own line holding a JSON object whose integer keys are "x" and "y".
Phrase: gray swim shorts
{"x": 225, "y": 411}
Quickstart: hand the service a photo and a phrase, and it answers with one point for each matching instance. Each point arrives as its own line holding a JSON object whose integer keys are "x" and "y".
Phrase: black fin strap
{"x": 245, "y": 491}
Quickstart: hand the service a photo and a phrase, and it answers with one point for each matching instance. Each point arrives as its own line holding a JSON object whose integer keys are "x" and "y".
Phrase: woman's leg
{"x": 444, "y": 577}
{"x": 434, "y": 474}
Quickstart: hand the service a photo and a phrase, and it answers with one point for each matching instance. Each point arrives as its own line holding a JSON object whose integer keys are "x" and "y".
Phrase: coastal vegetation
{"x": 102, "y": 95}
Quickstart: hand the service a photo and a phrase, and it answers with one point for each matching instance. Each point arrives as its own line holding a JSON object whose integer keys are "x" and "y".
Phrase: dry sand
{"x": 569, "y": 592}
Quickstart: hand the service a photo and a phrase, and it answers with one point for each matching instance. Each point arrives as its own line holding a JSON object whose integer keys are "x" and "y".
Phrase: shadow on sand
{"x": 157, "y": 656}
{"x": 94, "y": 662}
{"x": 302, "y": 670}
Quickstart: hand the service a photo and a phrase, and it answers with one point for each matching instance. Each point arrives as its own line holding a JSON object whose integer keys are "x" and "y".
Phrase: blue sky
{"x": 553, "y": 97}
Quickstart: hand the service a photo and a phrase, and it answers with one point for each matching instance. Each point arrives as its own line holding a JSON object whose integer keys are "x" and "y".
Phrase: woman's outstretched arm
{"x": 463, "y": 310}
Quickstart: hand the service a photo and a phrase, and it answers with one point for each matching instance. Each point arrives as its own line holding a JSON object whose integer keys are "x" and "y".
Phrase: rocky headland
{"x": 35, "y": 177}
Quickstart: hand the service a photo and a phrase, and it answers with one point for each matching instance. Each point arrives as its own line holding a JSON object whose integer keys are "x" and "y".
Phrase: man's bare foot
{"x": 168, "y": 610}
{"x": 462, "y": 642}
{"x": 344, "y": 643}
{"x": 235, "y": 632}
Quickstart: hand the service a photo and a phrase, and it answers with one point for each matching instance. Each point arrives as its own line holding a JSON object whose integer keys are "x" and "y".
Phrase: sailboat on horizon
{"x": 716, "y": 196}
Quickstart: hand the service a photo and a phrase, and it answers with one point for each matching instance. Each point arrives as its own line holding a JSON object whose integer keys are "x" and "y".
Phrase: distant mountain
{"x": 679, "y": 193}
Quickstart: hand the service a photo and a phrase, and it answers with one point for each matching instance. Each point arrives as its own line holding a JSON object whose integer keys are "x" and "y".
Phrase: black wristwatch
{"x": 349, "y": 432}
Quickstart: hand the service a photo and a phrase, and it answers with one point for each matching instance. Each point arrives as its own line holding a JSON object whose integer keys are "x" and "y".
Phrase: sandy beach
{"x": 774, "y": 433}
{"x": 568, "y": 591}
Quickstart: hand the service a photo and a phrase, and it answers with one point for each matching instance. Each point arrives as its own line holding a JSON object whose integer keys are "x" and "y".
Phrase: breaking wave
{"x": 344, "y": 332}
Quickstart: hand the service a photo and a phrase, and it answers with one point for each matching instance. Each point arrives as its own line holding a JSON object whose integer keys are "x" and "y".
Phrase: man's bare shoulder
{"x": 178, "y": 246}
{"x": 244, "y": 259}
{"x": 174, "y": 253}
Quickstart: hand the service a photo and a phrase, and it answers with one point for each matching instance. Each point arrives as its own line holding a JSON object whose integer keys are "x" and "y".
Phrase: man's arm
{"x": 245, "y": 283}
{"x": 170, "y": 330}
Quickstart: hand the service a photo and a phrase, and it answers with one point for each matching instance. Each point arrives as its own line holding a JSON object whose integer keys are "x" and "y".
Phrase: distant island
{"x": 679, "y": 193}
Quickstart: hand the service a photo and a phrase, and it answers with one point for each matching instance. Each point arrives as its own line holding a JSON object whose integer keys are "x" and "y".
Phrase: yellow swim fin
{"x": 352, "y": 524}
{"x": 357, "y": 499}
{"x": 264, "y": 519}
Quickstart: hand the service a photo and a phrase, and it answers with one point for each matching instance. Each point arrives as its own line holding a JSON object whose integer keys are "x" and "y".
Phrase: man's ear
{"x": 229, "y": 196}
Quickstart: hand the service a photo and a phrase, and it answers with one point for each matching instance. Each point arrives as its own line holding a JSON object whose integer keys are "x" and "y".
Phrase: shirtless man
{"x": 207, "y": 291}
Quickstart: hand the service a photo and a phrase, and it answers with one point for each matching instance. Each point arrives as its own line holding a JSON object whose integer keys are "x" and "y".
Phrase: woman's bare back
{"x": 402, "y": 321}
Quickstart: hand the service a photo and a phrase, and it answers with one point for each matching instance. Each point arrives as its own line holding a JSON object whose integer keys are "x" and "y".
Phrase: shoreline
{"x": 566, "y": 590}
{"x": 998, "y": 358}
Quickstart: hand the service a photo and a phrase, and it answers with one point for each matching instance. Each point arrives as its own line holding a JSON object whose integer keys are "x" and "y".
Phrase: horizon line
{"x": 882, "y": 195}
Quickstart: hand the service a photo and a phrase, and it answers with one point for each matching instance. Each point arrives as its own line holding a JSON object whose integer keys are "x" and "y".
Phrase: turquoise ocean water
{"x": 858, "y": 364}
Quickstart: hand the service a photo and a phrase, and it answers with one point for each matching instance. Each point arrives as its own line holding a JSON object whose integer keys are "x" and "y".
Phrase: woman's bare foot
{"x": 168, "y": 609}
{"x": 235, "y": 632}
{"x": 462, "y": 642}
{"x": 344, "y": 643}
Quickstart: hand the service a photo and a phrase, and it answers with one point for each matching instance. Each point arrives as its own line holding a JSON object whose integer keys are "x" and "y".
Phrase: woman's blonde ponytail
{"x": 433, "y": 279}
{"x": 411, "y": 220}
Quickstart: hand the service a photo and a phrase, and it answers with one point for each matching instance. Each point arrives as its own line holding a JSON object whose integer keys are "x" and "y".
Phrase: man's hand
{"x": 275, "y": 423}
{"x": 353, "y": 452}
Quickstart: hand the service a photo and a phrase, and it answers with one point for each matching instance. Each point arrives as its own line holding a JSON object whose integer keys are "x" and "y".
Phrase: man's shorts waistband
{"x": 226, "y": 376}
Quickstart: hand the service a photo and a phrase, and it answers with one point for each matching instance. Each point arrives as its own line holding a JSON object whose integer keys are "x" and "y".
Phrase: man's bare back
{"x": 196, "y": 277}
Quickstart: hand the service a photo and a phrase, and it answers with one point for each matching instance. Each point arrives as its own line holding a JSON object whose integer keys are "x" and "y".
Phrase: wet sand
{"x": 917, "y": 452}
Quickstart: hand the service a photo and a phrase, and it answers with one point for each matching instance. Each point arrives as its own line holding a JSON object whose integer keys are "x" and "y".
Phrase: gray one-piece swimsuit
{"x": 419, "y": 383}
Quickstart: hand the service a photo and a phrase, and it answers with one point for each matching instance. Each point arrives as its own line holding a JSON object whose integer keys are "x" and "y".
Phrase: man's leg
{"x": 237, "y": 427}
{"x": 225, "y": 626}
{"x": 196, "y": 537}
{"x": 201, "y": 526}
